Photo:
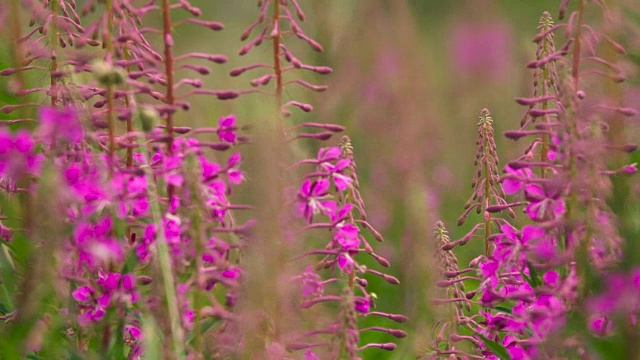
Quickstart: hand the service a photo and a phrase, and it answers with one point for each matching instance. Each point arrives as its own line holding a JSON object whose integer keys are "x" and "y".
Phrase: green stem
{"x": 487, "y": 194}
{"x": 7, "y": 296}
{"x": 199, "y": 236}
{"x": 166, "y": 268}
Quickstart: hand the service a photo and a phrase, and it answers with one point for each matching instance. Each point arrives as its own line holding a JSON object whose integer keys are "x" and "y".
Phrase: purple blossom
{"x": 312, "y": 197}
{"x": 226, "y": 129}
{"x": 336, "y": 172}
{"x": 310, "y": 355}
{"x": 328, "y": 154}
{"x": 234, "y": 173}
{"x": 311, "y": 283}
{"x": 362, "y": 304}
{"x": 60, "y": 124}
{"x": 515, "y": 180}
{"x": 347, "y": 236}
{"x": 108, "y": 281}
{"x": 82, "y": 294}
{"x": 17, "y": 155}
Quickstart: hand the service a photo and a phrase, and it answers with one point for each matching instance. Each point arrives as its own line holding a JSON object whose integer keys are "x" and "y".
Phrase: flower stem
{"x": 18, "y": 51}
{"x": 168, "y": 63}
{"x": 166, "y": 268}
{"x": 110, "y": 90}
{"x": 277, "y": 66}
{"x": 54, "y": 56}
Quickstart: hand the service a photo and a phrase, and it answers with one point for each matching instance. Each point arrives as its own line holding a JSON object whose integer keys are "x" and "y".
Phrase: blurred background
{"x": 410, "y": 79}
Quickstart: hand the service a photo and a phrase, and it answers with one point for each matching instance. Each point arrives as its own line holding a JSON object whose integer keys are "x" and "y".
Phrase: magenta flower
{"x": 515, "y": 180}
{"x": 311, "y": 283}
{"x": 17, "y": 155}
{"x": 172, "y": 230}
{"x": 82, "y": 294}
{"x": 362, "y": 304}
{"x": 551, "y": 278}
{"x": 94, "y": 311}
{"x": 346, "y": 235}
{"x": 336, "y": 172}
{"x": 234, "y": 173}
{"x": 217, "y": 201}
{"x": 173, "y": 176}
{"x": 346, "y": 263}
{"x": 310, "y": 355}
{"x": 108, "y": 281}
{"x": 209, "y": 169}
{"x": 337, "y": 215}
{"x": 328, "y": 154}
{"x": 226, "y": 129}
{"x": 133, "y": 331}
{"x": 312, "y": 197}
{"x": 60, "y": 124}
{"x": 232, "y": 273}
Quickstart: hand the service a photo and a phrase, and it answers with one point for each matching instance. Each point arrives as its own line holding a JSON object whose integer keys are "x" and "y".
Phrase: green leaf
{"x": 152, "y": 338}
{"x": 206, "y": 325}
{"x": 535, "y": 280}
{"x": 528, "y": 279}
{"x": 609, "y": 349}
{"x": 496, "y": 348}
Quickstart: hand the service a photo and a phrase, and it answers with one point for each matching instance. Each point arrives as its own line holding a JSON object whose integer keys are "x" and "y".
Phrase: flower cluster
{"x": 329, "y": 199}
{"x": 151, "y": 233}
{"x": 114, "y": 213}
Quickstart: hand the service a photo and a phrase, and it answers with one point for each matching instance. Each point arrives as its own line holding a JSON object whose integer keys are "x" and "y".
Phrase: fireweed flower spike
{"x": 570, "y": 228}
{"x": 275, "y": 28}
{"x": 542, "y": 104}
{"x": 453, "y": 296}
{"x": 197, "y": 229}
{"x": 119, "y": 228}
{"x": 111, "y": 255}
{"x": 487, "y": 191}
{"x": 328, "y": 198}
{"x": 339, "y": 207}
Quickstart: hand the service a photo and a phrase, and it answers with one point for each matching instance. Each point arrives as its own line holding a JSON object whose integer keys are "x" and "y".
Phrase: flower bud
{"x": 148, "y": 117}
{"x": 107, "y": 74}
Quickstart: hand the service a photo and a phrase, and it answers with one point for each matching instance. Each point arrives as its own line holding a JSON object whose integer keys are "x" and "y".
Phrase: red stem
{"x": 168, "y": 63}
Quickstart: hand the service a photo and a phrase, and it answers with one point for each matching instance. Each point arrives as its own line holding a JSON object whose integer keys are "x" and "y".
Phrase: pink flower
{"x": 226, "y": 129}
{"x": 108, "y": 281}
{"x": 514, "y": 181}
{"x": 236, "y": 176}
{"x": 82, "y": 294}
{"x": 310, "y": 355}
{"x": 311, "y": 197}
{"x": 362, "y": 304}
{"x": 311, "y": 283}
{"x": 346, "y": 235}
{"x": 60, "y": 124}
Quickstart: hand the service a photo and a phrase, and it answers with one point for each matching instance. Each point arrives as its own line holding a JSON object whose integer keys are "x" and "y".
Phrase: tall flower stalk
{"x": 488, "y": 196}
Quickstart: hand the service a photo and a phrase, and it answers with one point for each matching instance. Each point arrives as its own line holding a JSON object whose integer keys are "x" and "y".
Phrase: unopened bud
{"x": 107, "y": 74}
{"x": 148, "y": 117}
